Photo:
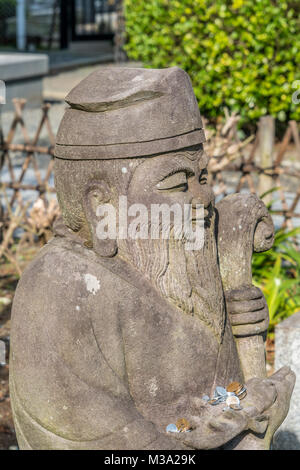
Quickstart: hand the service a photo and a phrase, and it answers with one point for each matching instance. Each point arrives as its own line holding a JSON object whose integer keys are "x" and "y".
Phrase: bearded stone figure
{"x": 113, "y": 339}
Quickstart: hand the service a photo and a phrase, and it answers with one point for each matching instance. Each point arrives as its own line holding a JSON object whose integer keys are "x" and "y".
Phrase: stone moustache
{"x": 112, "y": 340}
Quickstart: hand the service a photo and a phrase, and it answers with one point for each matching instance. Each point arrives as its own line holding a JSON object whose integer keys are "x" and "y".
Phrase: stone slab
{"x": 287, "y": 347}
{"x": 16, "y": 66}
{"x": 23, "y": 76}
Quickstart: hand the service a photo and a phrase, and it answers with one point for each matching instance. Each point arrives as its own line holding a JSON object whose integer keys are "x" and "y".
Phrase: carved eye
{"x": 175, "y": 182}
{"x": 203, "y": 176}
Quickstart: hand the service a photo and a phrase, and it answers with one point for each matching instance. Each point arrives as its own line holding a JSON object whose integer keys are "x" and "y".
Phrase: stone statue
{"x": 113, "y": 339}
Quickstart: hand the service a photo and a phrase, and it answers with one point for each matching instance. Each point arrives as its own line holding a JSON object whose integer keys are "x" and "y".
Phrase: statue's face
{"x": 176, "y": 178}
{"x": 190, "y": 279}
{"x": 179, "y": 177}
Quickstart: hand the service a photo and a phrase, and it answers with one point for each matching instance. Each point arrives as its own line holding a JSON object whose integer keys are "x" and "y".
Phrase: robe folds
{"x": 100, "y": 360}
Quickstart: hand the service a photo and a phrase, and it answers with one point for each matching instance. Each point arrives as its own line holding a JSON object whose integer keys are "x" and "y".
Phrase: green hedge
{"x": 242, "y": 54}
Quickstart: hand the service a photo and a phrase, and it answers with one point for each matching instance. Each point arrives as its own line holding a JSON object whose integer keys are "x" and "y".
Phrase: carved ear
{"x": 97, "y": 194}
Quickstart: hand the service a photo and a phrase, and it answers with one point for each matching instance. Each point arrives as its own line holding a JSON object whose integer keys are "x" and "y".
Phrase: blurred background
{"x": 53, "y": 26}
{"x": 243, "y": 58}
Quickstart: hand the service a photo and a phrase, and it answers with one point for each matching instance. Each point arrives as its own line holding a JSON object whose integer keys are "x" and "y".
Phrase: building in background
{"x": 58, "y": 24}
{"x": 88, "y": 20}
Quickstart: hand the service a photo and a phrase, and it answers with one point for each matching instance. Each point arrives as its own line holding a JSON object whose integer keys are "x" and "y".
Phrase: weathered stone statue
{"x": 113, "y": 339}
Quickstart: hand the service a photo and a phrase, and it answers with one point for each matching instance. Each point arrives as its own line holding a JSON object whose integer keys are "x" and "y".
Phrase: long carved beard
{"x": 188, "y": 279}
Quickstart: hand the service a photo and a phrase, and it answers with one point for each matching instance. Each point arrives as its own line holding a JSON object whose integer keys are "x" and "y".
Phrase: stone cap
{"x": 129, "y": 112}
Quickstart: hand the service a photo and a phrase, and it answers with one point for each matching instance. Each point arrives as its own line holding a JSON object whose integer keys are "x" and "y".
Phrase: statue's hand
{"x": 261, "y": 395}
{"x": 284, "y": 381}
{"x": 213, "y": 430}
{"x": 213, "y": 427}
{"x": 267, "y": 414}
{"x": 248, "y": 311}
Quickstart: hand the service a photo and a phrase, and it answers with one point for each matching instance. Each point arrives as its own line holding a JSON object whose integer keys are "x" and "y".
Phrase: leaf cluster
{"x": 240, "y": 54}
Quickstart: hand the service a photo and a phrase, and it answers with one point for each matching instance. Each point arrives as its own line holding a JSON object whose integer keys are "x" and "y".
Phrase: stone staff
{"x": 244, "y": 226}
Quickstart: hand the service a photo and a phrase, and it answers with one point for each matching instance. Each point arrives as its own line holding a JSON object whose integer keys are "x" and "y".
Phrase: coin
{"x": 239, "y": 390}
{"x": 183, "y": 425}
{"x": 221, "y": 391}
{"x": 222, "y": 399}
{"x": 232, "y": 401}
{"x": 205, "y": 398}
{"x": 234, "y": 386}
{"x": 214, "y": 401}
{"x": 242, "y": 394}
{"x": 171, "y": 428}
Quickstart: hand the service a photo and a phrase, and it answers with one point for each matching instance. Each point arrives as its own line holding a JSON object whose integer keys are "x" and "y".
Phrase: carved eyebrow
{"x": 174, "y": 166}
{"x": 179, "y": 169}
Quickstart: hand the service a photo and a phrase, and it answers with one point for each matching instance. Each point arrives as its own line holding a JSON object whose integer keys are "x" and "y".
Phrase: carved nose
{"x": 206, "y": 205}
{"x": 205, "y": 198}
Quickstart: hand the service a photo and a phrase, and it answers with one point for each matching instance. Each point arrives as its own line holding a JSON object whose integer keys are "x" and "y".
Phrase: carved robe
{"x": 100, "y": 360}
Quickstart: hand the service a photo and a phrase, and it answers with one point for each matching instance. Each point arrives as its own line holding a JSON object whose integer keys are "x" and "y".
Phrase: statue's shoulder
{"x": 64, "y": 270}
{"x": 57, "y": 264}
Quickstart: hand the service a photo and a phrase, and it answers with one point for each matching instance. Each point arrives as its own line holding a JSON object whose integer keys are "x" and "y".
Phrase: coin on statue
{"x": 183, "y": 425}
{"x": 171, "y": 428}
{"x": 234, "y": 387}
{"x": 242, "y": 393}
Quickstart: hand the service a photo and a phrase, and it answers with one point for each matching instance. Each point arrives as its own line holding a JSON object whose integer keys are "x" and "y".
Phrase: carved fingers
{"x": 283, "y": 381}
{"x": 261, "y": 395}
{"x": 247, "y": 310}
{"x": 244, "y": 293}
{"x": 214, "y": 431}
{"x": 213, "y": 427}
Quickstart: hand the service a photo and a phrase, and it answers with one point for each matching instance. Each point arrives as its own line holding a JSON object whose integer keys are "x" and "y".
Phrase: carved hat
{"x": 129, "y": 112}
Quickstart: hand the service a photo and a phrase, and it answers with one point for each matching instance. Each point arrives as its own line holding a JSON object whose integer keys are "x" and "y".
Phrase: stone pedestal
{"x": 287, "y": 352}
{"x": 23, "y": 76}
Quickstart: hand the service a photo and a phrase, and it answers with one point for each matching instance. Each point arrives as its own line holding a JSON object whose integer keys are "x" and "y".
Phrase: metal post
{"x": 21, "y": 25}
{"x": 64, "y": 24}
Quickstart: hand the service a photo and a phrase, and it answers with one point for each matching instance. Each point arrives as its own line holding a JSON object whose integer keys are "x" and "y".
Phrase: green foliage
{"x": 242, "y": 54}
{"x": 7, "y": 8}
{"x": 277, "y": 273}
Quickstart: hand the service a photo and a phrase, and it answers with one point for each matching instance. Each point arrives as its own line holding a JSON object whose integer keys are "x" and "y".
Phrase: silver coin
{"x": 214, "y": 401}
{"x": 232, "y": 401}
{"x": 171, "y": 428}
{"x": 221, "y": 391}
